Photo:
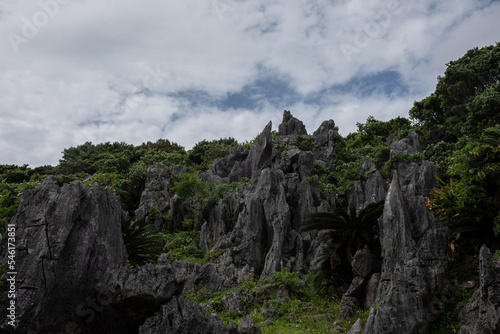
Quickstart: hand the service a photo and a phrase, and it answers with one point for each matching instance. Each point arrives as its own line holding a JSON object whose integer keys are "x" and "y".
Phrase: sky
{"x": 184, "y": 70}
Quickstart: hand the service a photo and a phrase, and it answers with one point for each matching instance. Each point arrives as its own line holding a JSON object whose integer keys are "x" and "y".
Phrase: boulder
{"x": 270, "y": 313}
{"x": 348, "y": 308}
{"x": 248, "y": 326}
{"x": 370, "y": 291}
{"x": 179, "y": 316}
{"x": 364, "y": 263}
{"x": 356, "y": 287}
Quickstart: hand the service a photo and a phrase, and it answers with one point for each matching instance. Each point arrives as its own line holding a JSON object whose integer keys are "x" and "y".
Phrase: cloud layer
{"x": 88, "y": 70}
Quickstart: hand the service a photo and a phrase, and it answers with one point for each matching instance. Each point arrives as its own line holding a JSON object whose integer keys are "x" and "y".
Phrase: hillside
{"x": 394, "y": 225}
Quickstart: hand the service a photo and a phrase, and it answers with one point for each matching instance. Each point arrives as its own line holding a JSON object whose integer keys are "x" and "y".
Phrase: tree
{"x": 205, "y": 152}
{"x": 469, "y": 202}
{"x": 466, "y": 97}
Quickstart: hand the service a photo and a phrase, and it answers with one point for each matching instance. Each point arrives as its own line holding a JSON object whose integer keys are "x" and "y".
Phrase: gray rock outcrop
{"x": 67, "y": 237}
{"x": 412, "y": 269}
{"x": 324, "y": 138}
{"x": 179, "y": 316}
{"x": 407, "y": 145}
{"x": 160, "y": 198}
{"x": 482, "y": 313}
{"x": 291, "y": 125}
{"x": 72, "y": 274}
{"x": 357, "y": 327}
{"x": 258, "y": 157}
{"x": 372, "y": 190}
{"x": 248, "y": 326}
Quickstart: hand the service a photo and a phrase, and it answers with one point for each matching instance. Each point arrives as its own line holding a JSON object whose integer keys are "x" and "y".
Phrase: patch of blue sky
{"x": 389, "y": 83}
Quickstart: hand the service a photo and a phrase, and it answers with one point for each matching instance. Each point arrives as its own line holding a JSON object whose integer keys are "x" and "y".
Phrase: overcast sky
{"x": 186, "y": 70}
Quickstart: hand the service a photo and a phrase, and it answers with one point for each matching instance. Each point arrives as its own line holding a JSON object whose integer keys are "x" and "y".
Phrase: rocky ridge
{"x": 72, "y": 239}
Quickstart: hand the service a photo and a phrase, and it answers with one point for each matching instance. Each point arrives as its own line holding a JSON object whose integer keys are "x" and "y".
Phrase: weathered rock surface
{"x": 210, "y": 277}
{"x": 248, "y": 326}
{"x": 72, "y": 275}
{"x": 324, "y": 138}
{"x": 234, "y": 301}
{"x": 372, "y": 190}
{"x": 408, "y": 145}
{"x": 67, "y": 237}
{"x": 370, "y": 291}
{"x": 364, "y": 263}
{"x": 348, "y": 308}
{"x": 179, "y": 316}
{"x": 356, "y": 287}
{"x": 291, "y": 125}
{"x": 357, "y": 327}
{"x": 410, "y": 274}
{"x": 233, "y": 328}
{"x": 271, "y": 313}
{"x": 138, "y": 293}
{"x": 482, "y": 313}
{"x": 259, "y": 226}
{"x": 158, "y": 196}
{"x": 259, "y": 157}
{"x": 326, "y": 133}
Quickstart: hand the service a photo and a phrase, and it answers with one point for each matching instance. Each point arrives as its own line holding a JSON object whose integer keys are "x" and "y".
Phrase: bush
{"x": 143, "y": 243}
{"x": 304, "y": 143}
{"x": 183, "y": 246}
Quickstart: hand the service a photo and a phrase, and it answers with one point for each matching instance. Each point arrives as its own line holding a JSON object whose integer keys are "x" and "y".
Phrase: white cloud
{"x": 113, "y": 70}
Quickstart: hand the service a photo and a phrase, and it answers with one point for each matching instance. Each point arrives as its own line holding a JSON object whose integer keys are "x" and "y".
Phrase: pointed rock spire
{"x": 291, "y": 125}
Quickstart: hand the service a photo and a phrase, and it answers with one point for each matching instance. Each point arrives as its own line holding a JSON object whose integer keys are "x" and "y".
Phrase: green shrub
{"x": 304, "y": 143}
{"x": 183, "y": 246}
{"x": 143, "y": 243}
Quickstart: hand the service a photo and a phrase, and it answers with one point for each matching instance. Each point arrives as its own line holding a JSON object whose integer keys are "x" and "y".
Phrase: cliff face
{"x": 72, "y": 274}
{"x": 72, "y": 261}
{"x": 66, "y": 239}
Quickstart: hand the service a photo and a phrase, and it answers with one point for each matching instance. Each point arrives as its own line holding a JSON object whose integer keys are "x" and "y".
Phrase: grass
{"x": 303, "y": 311}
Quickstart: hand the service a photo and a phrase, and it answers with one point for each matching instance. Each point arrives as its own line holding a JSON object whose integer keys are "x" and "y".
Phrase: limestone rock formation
{"x": 67, "y": 237}
{"x": 179, "y": 316}
{"x": 291, "y": 125}
{"x": 410, "y": 274}
{"x": 357, "y": 327}
{"x": 159, "y": 181}
{"x": 324, "y": 138}
{"x": 72, "y": 274}
{"x": 407, "y": 145}
{"x": 482, "y": 313}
